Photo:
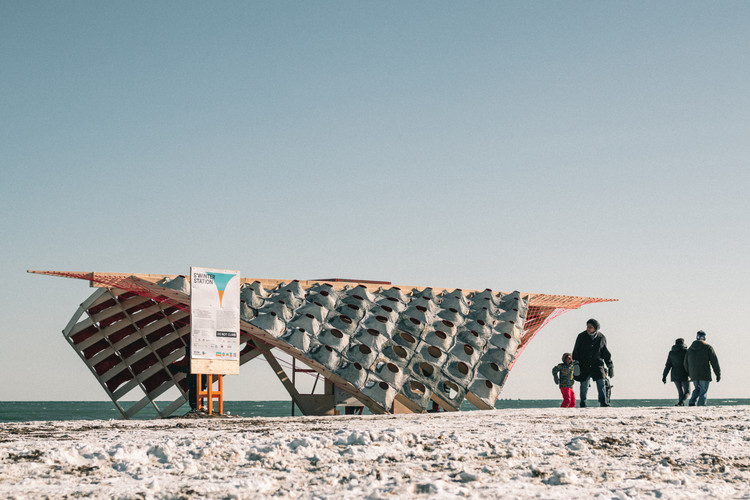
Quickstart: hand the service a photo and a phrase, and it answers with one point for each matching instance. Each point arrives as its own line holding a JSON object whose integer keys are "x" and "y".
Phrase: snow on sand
{"x": 545, "y": 453}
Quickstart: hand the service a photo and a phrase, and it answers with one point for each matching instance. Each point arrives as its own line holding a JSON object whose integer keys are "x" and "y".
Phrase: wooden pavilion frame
{"x": 131, "y": 334}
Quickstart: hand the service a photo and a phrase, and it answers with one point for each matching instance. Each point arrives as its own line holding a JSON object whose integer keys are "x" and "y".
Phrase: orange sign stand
{"x": 210, "y": 394}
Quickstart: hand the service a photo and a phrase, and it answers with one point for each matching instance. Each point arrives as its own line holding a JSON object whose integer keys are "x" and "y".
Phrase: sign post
{"x": 214, "y": 329}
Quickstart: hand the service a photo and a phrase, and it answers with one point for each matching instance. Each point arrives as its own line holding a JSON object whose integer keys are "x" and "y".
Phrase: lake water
{"x": 23, "y": 411}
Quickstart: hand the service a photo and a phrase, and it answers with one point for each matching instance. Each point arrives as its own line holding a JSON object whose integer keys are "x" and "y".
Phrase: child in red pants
{"x": 563, "y": 375}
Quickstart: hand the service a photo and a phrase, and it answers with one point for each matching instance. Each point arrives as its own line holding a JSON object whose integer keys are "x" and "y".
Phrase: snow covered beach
{"x": 528, "y": 453}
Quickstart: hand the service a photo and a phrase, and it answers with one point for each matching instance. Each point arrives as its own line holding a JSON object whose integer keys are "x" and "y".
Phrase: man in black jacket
{"x": 699, "y": 360}
{"x": 675, "y": 364}
{"x": 594, "y": 360}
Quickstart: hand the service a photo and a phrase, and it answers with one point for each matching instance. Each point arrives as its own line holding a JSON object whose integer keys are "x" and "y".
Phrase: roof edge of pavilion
{"x": 122, "y": 280}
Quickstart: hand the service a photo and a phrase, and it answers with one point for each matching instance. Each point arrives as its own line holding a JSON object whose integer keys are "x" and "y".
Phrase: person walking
{"x": 676, "y": 364}
{"x": 563, "y": 375}
{"x": 594, "y": 360}
{"x": 699, "y": 360}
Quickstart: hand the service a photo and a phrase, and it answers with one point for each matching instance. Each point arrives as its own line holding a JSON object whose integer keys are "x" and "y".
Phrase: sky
{"x": 581, "y": 148}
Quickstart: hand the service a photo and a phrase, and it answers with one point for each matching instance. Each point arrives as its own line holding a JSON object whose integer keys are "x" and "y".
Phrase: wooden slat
{"x": 474, "y": 399}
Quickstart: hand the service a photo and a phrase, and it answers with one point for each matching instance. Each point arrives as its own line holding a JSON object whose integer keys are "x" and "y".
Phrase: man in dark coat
{"x": 594, "y": 360}
{"x": 676, "y": 364}
{"x": 699, "y": 360}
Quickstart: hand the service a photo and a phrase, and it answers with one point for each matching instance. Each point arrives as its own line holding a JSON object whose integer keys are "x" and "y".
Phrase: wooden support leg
{"x": 288, "y": 385}
{"x": 221, "y": 394}
{"x": 210, "y": 393}
{"x": 198, "y": 380}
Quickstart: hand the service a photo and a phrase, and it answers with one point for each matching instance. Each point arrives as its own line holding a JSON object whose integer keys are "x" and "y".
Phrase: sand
{"x": 527, "y": 453}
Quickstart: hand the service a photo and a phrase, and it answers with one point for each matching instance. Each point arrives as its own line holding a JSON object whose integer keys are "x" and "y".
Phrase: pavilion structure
{"x": 393, "y": 349}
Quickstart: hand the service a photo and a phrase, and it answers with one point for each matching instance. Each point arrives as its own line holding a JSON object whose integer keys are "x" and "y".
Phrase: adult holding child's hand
{"x": 595, "y": 361}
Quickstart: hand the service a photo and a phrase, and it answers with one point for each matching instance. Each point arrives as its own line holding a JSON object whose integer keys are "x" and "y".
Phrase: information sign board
{"x": 214, "y": 321}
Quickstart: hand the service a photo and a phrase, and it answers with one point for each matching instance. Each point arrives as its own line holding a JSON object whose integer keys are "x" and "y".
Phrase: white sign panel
{"x": 214, "y": 320}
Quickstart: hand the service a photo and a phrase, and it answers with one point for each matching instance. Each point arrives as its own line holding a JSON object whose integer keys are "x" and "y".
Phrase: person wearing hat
{"x": 699, "y": 360}
{"x": 676, "y": 364}
{"x": 594, "y": 360}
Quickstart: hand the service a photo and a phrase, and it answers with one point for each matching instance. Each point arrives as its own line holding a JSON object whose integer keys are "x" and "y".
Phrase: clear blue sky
{"x": 583, "y": 148}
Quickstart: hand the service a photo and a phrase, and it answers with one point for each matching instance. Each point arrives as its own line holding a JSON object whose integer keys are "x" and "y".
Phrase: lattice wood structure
{"x": 390, "y": 348}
